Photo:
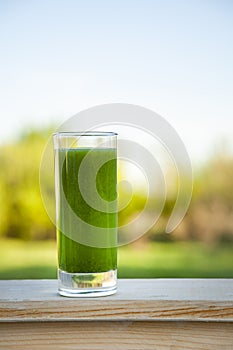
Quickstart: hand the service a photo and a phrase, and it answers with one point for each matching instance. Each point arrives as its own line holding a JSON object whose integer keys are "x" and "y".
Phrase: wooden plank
{"x": 117, "y": 335}
{"x": 144, "y": 299}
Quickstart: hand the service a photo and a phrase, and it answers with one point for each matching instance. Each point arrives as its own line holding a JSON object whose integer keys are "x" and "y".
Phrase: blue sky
{"x": 175, "y": 57}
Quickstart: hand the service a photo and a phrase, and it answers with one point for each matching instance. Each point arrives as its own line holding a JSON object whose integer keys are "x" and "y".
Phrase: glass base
{"x": 88, "y": 285}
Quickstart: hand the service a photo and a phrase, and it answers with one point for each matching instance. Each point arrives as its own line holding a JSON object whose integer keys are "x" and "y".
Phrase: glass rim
{"x": 84, "y": 133}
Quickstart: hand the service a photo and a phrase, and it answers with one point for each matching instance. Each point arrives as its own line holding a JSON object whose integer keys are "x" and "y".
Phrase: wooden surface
{"x": 144, "y": 299}
{"x": 144, "y": 314}
{"x": 117, "y": 335}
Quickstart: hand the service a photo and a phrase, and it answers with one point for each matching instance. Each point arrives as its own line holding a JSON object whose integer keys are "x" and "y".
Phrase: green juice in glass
{"x": 77, "y": 218}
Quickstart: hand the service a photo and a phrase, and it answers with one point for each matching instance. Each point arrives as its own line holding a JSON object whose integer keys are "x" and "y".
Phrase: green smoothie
{"x": 81, "y": 217}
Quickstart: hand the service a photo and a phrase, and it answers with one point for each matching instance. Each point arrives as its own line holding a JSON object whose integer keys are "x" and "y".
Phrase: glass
{"x": 86, "y": 212}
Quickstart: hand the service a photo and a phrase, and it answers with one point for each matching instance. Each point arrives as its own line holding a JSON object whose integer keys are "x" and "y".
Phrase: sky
{"x": 58, "y": 57}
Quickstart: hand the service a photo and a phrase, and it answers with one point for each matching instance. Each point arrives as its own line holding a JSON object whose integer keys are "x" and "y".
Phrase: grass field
{"x": 38, "y": 260}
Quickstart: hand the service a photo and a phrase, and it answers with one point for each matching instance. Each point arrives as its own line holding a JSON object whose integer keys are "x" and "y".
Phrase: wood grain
{"x": 117, "y": 335}
{"x": 140, "y": 300}
{"x": 156, "y": 314}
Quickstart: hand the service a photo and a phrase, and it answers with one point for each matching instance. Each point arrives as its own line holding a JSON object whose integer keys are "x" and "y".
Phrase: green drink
{"x": 86, "y": 201}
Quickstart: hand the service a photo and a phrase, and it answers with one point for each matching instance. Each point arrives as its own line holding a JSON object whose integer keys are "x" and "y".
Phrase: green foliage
{"x": 23, "y": 216}
{"x": 22, "y": 212}
{"x": 210, "y": 214}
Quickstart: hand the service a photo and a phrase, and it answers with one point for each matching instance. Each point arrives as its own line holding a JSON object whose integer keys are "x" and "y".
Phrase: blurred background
{"x": 175, "y": 57}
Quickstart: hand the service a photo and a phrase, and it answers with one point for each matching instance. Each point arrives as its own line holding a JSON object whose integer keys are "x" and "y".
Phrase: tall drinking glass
{"x": 86, "y": 212}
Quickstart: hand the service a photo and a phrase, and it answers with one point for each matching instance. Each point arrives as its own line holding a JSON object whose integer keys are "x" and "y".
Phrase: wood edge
{"x": 129, "y": 319}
